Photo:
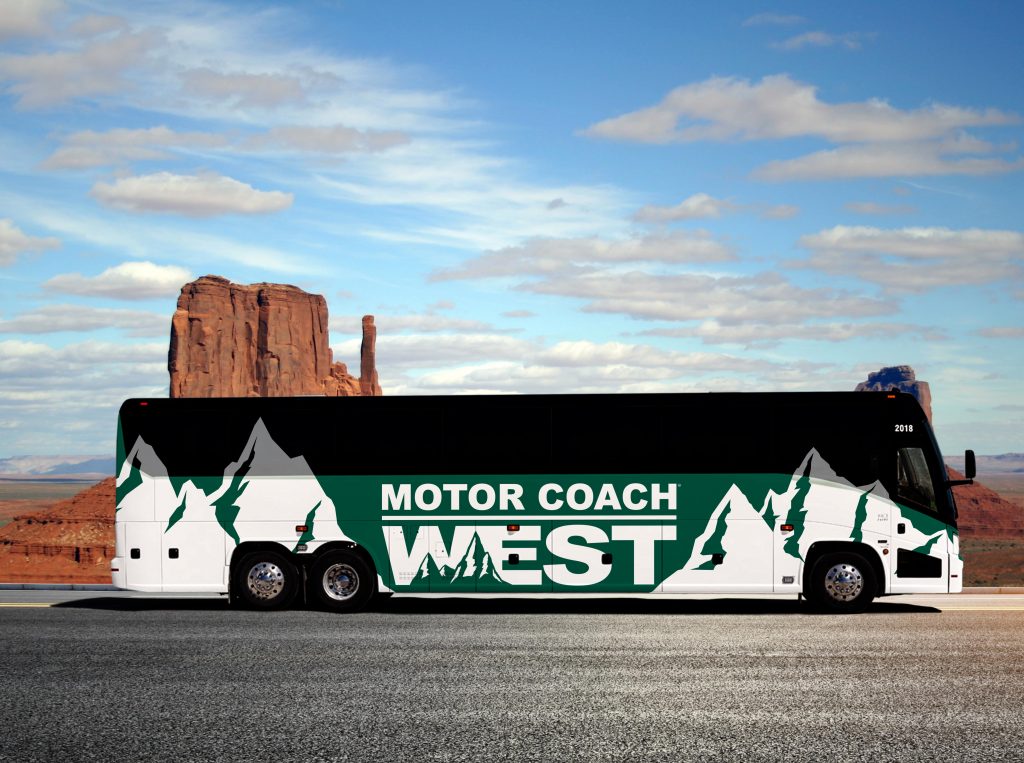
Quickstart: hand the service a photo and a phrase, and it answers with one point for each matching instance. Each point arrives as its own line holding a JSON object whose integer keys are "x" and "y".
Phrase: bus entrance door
{"x": 922, "y": 555}
{"x": 919, "y": 534}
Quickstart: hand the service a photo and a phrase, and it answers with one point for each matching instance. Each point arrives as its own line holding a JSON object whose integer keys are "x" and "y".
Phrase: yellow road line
{"x": 24, "y": 604}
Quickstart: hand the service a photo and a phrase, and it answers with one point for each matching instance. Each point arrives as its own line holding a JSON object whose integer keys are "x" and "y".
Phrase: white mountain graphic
{"x": 475, "y": 564}
{"x": 740, "y": 537}
{"x": 262, "y": 486}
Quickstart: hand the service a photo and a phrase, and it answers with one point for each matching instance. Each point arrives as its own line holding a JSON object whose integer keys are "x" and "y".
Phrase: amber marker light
{"x": 513, "y": 528}
{"x": 301, "y": 528}
{"x": 786, "y": 528}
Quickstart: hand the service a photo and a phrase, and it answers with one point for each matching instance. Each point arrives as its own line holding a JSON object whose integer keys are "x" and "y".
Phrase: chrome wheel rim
{"x": 844, "y": 582}
{"x": 340, "y": 582}
{"x": 265, "y": 581}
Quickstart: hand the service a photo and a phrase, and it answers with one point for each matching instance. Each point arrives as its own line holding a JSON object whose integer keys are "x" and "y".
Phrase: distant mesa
{"x": 986, "y": 514}
{"x": 260, "y": 340}
{"x": 903, "y": 379}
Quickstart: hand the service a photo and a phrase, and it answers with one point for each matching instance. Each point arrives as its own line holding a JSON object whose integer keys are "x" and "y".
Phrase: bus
{"x": 838, "y": 497}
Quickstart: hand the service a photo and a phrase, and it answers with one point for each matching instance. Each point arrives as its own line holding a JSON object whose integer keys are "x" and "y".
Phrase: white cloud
{"x": 336, "y": 139}
{"x": 761, "y": 298}
{"x": 588, "y": 354}
{"x": 244, "y": 89}
{"x": 883, "y": 160}
{"x": 95, "y": 24}
{"x": 435, "y": 351}
{"x": 418, "y": 322}
{"x": 32, "y": 365}
{"x": 589, "y": 367}
{"x": 754, "y": 334}
{"x": 730, "y": 108}
{"x": 204, "y": 195}
{"x": 874, "y": 208}
{"x": 87, "y": 148}
{"x": 818, "y": 39}
{"x": 477, "y": 199}
{"x": 27, "y": 18}
{"x": 779, "y": 211}
{"x": 1002, "y": 332}
{"x": 140, "y": 239}
{"x": 13, "y": 241}
{"x": 702, "y": 205}
{"x": 774, "y": 19}
{"x": 916, "y": 259}
{"x": 50, "y": 319}
{"x": 551, "y": 255}
{"x": 98, "y": 68}
{"x": 85, "y": 382}
{"x": 129, "y": 280}
{"x": 695, "y": 207}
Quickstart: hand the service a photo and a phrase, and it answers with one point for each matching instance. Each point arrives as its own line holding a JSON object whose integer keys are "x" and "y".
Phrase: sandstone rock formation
{"x": 903, "y": 379}
{"x": 259, "y": 340}
{"x": 984, "y": 513}
{"x": 368, "y": 384}
{"x": 70, "y": 542}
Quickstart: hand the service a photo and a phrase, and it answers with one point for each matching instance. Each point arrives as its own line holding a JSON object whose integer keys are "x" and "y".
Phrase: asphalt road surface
{"x": 96, "y": 676}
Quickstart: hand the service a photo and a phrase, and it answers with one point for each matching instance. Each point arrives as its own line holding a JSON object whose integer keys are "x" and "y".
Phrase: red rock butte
{"x": 260, "y": 340}
{"x": 902, "y": 378}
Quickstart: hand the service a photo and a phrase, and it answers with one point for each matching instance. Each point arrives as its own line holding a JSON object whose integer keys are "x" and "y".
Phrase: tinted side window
{"x": 387, "y": 440}
{"x": 914, "y": 484}
{"x": 589, "y": 438}
{"x": 719, "y": 434}
{"x": 494, "y": 439}
{"x": 200, "y": 445}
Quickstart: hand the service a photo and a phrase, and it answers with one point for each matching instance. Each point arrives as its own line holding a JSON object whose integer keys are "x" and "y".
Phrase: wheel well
{"x": 249, "y": 546}
{"x": 300, "y": 560}
{"x": 339, "y": 545}
{"x": 832, "y": 546}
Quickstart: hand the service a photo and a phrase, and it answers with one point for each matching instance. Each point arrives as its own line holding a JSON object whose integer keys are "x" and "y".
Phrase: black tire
{"x": 341, "y": 581}
{"x": 842, "y": 582}
{"x": 265, "y": 580}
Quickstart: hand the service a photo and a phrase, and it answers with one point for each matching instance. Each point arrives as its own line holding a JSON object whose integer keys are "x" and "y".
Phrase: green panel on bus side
{"x": 575, "y": 532}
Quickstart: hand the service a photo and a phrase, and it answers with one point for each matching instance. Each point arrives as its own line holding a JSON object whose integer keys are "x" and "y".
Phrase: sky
{"x": 529, "y": 196}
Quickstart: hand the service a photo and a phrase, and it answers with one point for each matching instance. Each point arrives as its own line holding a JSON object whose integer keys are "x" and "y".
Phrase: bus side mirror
{"x": 970, "y": 466}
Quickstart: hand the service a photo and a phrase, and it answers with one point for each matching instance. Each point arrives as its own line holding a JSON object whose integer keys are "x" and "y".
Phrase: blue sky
{"x": 530, "y": 197}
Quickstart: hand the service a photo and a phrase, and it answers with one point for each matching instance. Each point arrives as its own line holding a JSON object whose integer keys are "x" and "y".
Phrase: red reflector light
{"x": 513, "y": 528}
{"x": 786, "y": 528}
{"x": 143, "y": 403}
{"x": 301, "y": 528}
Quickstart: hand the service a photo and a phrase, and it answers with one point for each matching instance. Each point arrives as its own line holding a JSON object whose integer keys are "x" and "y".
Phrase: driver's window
{"x": 914, "y": 482}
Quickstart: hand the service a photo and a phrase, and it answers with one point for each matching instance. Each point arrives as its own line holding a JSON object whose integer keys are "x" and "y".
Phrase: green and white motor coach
{"x": 840, "y": 497}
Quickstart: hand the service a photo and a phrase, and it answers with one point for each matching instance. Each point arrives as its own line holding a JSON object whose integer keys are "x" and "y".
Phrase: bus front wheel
{"x": 341, "y": 581}
{"x": 266, "y": 580}
{"x": 841, "y": 582}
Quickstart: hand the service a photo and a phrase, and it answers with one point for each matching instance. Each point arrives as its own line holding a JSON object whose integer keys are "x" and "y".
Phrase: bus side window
{"x": 913, "y": 480}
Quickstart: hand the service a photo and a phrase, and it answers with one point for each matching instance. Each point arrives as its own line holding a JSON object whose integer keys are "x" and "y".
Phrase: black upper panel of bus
{"x": 569, "y": 434}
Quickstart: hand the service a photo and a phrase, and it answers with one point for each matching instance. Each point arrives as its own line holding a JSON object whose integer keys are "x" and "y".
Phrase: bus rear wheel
{"x": 841, "y": 582}
{"x": 266, "y": 580}
{"x": 341, "y": 581}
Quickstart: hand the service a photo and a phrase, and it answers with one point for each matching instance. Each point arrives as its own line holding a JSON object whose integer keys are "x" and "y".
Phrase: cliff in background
{"x": 260, "y": 340}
